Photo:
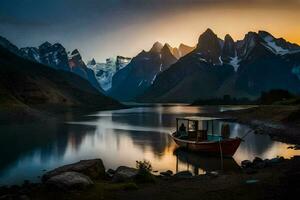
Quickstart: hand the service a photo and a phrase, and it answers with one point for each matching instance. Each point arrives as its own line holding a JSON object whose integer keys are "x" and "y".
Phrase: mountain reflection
{"x": 120, "y": 138}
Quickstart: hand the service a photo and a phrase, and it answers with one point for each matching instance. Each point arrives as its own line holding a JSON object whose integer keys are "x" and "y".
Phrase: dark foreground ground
{"x": 279, "y": 181}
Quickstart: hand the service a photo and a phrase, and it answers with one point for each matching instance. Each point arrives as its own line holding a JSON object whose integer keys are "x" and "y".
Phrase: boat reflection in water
{"x": 120, "y": 137}
{"x": 201, "y": 163}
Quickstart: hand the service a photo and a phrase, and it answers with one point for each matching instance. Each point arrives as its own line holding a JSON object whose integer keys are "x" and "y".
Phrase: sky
{"x": 105, "y": 28}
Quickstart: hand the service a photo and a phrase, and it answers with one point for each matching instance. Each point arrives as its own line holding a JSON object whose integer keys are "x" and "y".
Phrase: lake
{"x": 120, "y": 137}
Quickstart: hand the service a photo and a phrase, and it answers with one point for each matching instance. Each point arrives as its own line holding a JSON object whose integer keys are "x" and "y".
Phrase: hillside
{"x": 27, "y": 86}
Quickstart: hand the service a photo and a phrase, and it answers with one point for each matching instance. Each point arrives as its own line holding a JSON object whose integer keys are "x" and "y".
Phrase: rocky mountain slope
{"x": 105, "y": 71}
{"x": 28, "y": 84}
{"x": 141, "y": 72}
{"x": 217, "y": 67}
{"x": 55, "y": 56}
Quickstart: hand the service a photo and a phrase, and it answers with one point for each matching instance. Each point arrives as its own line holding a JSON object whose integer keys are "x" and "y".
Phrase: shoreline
{"x": 281, "y": 123}
{"x": 258, "y": 179}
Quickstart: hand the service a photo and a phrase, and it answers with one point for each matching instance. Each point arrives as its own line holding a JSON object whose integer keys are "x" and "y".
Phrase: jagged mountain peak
{"x": 209, "y": 32}
{"x": 8, "y": 45}
{"x": 264, "y": 34}
{"x": 228, "y": 38}
{"x": 229, "y": 49}
{"x": 74, "y": 52}
{"x": 184, "y": 46}
{"x": 45, "y": 45}
{"x": 92, "y": 62}
{"x": 209, "y": 46}
{"x": 185, "y": 49}
{"x": 157, "y": 46}
{"x": 167, "y": 47}
{"x": 206, "y": 36}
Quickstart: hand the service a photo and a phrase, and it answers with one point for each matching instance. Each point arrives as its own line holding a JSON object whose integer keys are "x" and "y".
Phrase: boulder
{"x": 246, "y": 163}
{"x": 258, "y": 163}
{"x": 167, "y": 173}
{"x": 70, "y": 180}
{"x": 183, "y": 174}
{"x": 212, "y": 173}
{"x": 276, "y": 160}
{"x": 257, "y": 160}
{"x": 92, "y": 168}
{"x": 110, "y": 173}
{"x": 124, "y": 173}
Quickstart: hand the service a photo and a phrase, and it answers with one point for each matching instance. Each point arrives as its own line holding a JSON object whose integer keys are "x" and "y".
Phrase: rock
{"x": 124, "y": 173}
{"x": 213, "y": 173}
{"x": 110, "y": 173}
{"x": 91, "y": 168}
{"x": 166, "y": 173}
{"x": 70, "y": 180}
{"x": 258, "y": 163}
{"x": 183, "y": 174}
{"x": 257, "y": 160}
{"x": 296, "y": 147}
{"x": 276, "y": 160}
{"x": 246, "y": 163}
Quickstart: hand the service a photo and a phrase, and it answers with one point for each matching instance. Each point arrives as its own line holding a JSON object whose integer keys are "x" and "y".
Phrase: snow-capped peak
{"x": 271, "y": 42}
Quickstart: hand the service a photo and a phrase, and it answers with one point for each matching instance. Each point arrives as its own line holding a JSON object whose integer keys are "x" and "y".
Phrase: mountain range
{"x": 55, "y": 56}
{"x": 105, "y": 71}
{"x": 216, "y": 67}
{"x": 29, "y": 86}
{"x": 213, "y": 68}
{"x": 133, "y": 80}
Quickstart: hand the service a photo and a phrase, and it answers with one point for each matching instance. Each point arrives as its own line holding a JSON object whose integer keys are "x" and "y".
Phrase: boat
{"x": 192, "y": 134}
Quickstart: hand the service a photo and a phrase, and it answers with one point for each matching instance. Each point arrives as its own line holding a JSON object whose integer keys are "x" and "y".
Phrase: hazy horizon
{"x": 102, "y": 29}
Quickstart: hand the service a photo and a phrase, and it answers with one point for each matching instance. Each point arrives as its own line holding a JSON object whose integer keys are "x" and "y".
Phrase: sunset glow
{"x": 104, "y": 29}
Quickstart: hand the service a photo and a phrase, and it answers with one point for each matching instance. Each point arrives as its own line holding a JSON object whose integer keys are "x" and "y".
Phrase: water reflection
{"x": 120, "y": 138}
{"x": 200, "y": 164}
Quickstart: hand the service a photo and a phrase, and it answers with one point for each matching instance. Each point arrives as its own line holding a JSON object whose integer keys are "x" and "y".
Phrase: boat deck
{"x": 210, "y": 138}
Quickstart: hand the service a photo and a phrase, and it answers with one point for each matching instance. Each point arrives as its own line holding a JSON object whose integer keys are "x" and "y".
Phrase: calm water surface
{"x": 119, "y": 137}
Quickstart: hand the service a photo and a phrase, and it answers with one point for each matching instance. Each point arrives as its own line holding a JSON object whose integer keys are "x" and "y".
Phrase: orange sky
{"x": 102, "y": 29}
{"x": 186, "y": 27}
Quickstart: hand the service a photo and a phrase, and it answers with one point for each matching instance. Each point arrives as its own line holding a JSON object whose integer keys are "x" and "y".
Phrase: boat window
{"x": 182, "y": 125}
{"x": 193, "y": 126}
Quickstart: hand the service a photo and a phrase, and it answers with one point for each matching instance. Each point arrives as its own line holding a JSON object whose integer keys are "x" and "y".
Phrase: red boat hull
{"x": 227, "y": 147}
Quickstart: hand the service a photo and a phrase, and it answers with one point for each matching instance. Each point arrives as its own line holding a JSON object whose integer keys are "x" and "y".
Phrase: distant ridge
{"x": 141, "y": 72}
{"x": 216, "y": 67}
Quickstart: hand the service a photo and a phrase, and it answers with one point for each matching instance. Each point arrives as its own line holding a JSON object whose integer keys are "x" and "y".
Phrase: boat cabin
{"x": 199, "y": 129}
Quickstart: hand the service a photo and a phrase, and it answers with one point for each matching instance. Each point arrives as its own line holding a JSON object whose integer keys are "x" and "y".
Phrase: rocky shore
{"x": 88, "y": 179}
{"x": 282, "y": 123}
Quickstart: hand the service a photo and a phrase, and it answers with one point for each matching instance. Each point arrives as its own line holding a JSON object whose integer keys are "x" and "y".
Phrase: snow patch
{"x": 153, "y": 79}
{"x": 274, "y": 47}
{"x": 235, "y": 62}
{"x": 202, "y": 59}
{"x": 140, "y": 83}
{"x": 220, "y": 59}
